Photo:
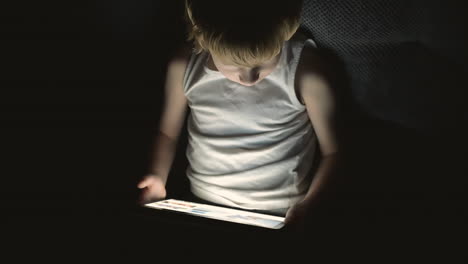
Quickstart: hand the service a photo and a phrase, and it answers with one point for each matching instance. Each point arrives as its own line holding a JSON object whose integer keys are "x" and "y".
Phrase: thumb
{"x": 144, "y": 183}
{"x": 290, "y": 215}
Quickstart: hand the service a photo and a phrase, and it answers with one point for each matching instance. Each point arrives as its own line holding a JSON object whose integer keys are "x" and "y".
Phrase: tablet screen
{"x": 220, "y": 213}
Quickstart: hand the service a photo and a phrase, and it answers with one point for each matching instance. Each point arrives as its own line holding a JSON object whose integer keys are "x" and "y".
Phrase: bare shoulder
{"x": 319, "y": 99}
{"x": 310, "y": 72}
{"x": 175, "y": 101}
{"x": 182, "y": 52}
{"x": 176, "y": 66}
{"x": 180, "y": 57}
{"x": 310, "y": 63}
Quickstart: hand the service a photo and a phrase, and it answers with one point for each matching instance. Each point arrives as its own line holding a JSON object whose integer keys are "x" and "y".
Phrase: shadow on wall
{"x": 412, "y": 155}
{"x": 406, "y": 60}
{"x": 402, "y": 85}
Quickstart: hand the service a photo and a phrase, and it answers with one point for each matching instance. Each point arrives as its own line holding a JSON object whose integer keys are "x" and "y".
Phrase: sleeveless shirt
{"x": 249, "y": 147}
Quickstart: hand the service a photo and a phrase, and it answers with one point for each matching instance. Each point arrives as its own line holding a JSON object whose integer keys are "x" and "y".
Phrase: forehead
{"x": 228, "y": 62}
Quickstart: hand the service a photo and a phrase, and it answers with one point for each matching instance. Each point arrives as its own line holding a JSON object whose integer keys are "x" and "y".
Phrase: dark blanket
{"x": 406, "y": 60}
{"x": 402, "y": 67}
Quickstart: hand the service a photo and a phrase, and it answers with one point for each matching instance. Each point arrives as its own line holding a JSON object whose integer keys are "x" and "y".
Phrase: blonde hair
{"x": 247, "y": 33}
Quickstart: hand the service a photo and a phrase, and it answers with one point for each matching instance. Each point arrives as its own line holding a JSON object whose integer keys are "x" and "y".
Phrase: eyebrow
{"x": 275, "y": 56}
{"x": 256, "y": 66}
{"x": 240, "y": 66}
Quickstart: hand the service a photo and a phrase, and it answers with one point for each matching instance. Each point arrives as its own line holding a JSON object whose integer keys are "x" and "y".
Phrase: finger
{"x": 141, "y": 185}
{"x": 289, "y": 218}
{"x": 143, "y": 199}
{"x": 144, "y": 183}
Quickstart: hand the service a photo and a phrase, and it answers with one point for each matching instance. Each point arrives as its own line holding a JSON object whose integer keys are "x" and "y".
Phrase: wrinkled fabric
{"x": 249, "y": 147}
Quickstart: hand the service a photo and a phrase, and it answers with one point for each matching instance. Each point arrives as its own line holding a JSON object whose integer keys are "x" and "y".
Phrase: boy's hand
{"x": 296, "y": 215}
{"x": 153, "y": 189}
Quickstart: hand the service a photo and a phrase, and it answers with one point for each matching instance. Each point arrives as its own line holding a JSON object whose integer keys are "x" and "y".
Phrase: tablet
{"x": 219, "y": 213}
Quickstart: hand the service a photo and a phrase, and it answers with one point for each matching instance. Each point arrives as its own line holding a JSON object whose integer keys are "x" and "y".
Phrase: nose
{"x": 249, "y": 77}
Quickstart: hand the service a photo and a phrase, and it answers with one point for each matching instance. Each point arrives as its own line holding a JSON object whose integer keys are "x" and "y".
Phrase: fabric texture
{"x": 249, "y": 147}
{"x": 406, "y": 60}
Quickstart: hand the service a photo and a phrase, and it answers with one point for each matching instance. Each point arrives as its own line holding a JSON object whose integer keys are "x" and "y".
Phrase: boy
{"x": 259, "y": 109}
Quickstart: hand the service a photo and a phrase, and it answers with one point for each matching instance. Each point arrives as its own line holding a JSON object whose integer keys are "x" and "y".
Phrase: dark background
{"x": 82, "y": 88}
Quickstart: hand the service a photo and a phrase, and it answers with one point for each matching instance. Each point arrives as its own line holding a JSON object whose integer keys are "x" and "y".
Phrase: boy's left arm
{"x": 319, "y": 100}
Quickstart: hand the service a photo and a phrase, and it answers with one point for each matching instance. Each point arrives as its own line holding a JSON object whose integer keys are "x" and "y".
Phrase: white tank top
{"x": 249, "y": 147}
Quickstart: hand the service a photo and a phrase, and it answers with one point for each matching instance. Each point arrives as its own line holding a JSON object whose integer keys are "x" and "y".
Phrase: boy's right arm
{"x": 172, "y": 120}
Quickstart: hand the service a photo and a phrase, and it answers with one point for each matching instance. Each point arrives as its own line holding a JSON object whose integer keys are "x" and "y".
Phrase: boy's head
{"x": 244, "y": 37}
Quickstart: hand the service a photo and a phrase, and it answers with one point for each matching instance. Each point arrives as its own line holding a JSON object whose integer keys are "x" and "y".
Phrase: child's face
{"x": 243, "y": 75}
